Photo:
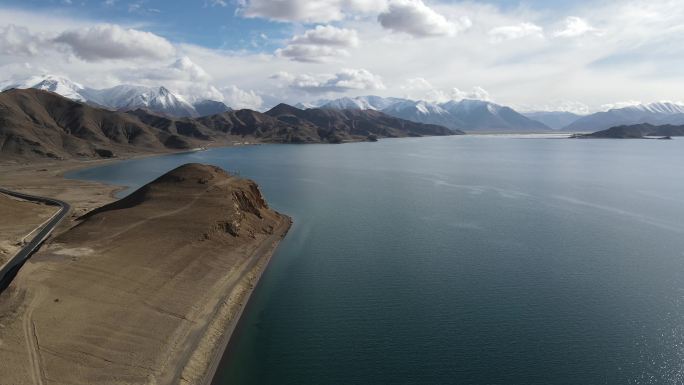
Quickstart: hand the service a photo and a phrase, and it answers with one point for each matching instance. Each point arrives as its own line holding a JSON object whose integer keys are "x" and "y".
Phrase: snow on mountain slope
{"x": 369, "y": 102}
{"x": 469, "y": 115}
{"x": 658, "y": 108}
{"x": 423, "y": 112}
{"x": 160, "y": 100}
{"x": 52, "y": 83}
{"x": 652, "y": 113}
{"x": 115, "y": 97}
{"x": 122, "y": 97}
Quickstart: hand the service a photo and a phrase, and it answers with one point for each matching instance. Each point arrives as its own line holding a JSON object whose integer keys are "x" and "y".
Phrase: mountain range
{"x": 122, "y": 97}
{"x": 38, "y": 123}
{"x": 557, "y": 120}
{"x": 653, "y": 113}
{"x": 466, "y": 115}
{"x": 481, "y": 115}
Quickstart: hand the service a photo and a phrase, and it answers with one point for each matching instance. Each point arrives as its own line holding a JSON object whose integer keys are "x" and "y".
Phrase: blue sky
{"x": 204, "y": 22}
{"x": 533, "y": 55}
{"x": 190, "y": 21}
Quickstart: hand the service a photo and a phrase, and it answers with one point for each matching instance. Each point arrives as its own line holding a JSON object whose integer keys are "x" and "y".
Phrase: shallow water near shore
{"x": 468, "y": 260}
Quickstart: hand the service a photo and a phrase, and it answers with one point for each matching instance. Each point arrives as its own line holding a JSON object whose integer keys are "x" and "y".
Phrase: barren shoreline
{"x": 201, "y": 348}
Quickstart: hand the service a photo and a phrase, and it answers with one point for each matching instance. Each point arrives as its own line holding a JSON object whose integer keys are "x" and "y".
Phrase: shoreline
{"x": 206, "y": 347}
{"x": 221, "y": 347}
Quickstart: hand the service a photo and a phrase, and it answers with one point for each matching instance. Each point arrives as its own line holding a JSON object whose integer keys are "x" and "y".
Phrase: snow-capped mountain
{"x": 122, "y": 97}
{"x": 369, "y": 102}
{"x": 469, "y": 115}
{"x": 423, "y": 112}
{"x": 116, "y": 97}
{"x": 52, "y": 83}
{"x": 658, "y": 108}
{"x": 487, "y": 116}
{"x": 159, "y": 100}
{"x": 652, "y": 113}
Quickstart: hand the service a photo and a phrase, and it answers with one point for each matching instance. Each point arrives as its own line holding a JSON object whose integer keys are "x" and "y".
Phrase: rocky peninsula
{"x": 142, "y": 290}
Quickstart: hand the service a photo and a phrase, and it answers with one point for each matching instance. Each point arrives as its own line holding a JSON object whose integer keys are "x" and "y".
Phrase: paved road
{"x": 10, "y": 269}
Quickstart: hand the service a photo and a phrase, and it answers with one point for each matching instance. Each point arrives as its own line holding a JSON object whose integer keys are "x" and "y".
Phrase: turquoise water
{"x": 461, "y": 260}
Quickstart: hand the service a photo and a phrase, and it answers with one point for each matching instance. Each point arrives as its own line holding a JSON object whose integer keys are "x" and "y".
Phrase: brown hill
{"x": 337, "y": 125}
{"x": 143, "y": 290}
{"x": 41, "y": 123}
{"x": 35, "y": 123}
{"x": 637, "y": 131}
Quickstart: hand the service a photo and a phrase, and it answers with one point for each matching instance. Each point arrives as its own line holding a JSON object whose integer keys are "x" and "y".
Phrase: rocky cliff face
{"x": 222, "y": 203}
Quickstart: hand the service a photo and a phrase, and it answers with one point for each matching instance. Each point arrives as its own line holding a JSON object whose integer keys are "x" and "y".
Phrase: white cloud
{"x": 328, "y": 35}
{"x": 572, "y": 106}
{"x": 182, "y": 76}
{"x": 182, "y": 69}
{"x": 319, "y": 11}
{"x": 108, "y": 41}
{"x": 636, "y": 57}
{"x": 320, "y": 44}
{"x": 517, "y": 31}
{"x": 476, "y": 92}
{"x": 215, "y": 3}
{"x": 417, "y": 84}
{"x": 574, "y": 26}
{"x": 311, "y": 53}
{"x": 421, "y": 89}
{"x": 237, "y": 98}
{"x": 417, "y": 19}
{"x": 622, "y": 104}
{"x": 345, "y": 80}
{"x": 18, "y": 40}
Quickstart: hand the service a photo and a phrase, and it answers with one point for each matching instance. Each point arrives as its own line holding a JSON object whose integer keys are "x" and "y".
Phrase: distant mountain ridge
{"x": 637, "y": 131}
{"x": 37, "y": 123}
{"x": 557, "y": 120}
{"x": 653, "y": 113}
{"x": 466, "y": 114}
{"x": 123, "y": 97}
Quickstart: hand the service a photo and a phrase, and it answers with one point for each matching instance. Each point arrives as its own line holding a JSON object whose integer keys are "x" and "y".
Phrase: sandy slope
{"x": 143, "y": 290}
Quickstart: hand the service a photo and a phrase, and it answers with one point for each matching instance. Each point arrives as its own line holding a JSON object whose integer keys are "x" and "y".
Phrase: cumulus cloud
{"x": 18, "y": 40}
{"x": 110, "y": 41}
{"x": 345, "y": 80}
{"x": 182, "y": 76}
{"x": 215, "y": 3}
{"x": 441, "y": 96}
{"x": 517, "y": 31}
{"x": 320, "y": 44}
{"x": 476, "y": 92}
{"x": 328, "y": 35}
{"x": 626, "y": 103}
{"x": 572, "y": 106}
{"x": 308, "y": 11}
{"x": 421, "y": 89}
{"x": 574, "y": 27}
{"x": 419, "y": 84}
{"x": 237, "y": 98}
{"x": 419, "y": 20}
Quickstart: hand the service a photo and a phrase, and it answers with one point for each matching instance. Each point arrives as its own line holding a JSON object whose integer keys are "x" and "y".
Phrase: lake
{"x": 460, "y": 260}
